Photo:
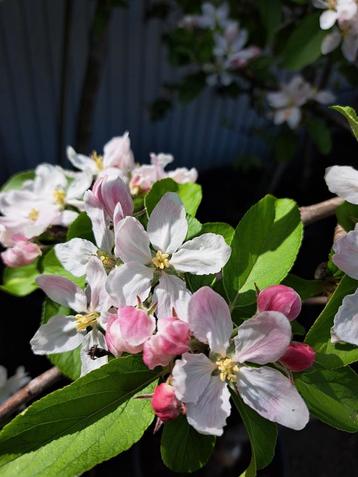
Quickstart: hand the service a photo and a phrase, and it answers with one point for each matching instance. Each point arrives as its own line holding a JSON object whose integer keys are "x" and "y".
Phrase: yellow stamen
{"x": 161, "y": 260}
{"x": 84, "y": 321}
{"x": 108, "y": 261}
{"x": 59, "y": 196}
{"x": 98, "y": 159}
{"x": 227, "y": 369}
{"x": 33, "y": 215}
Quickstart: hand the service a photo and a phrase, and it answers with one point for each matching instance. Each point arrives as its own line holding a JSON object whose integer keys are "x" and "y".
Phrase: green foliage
{"x": 305, "y": 288}
{"x": 20, "y": 281}
{"x": 194, "y": 227}
{"x": 262, "y": 435}
{"x": 52, "y": 266}
{"x": 73, "y": 429}
{"x": 347, "y": 215}
{"x": 69, "y": 362}
{"x": 331, "y": 395}
{"x": 189, "y": 46}
{"x": 264, "y": 248}
{"x": 220, "y": 228}
{"x": 189, "y": 193}
{"x": 332, "y": 355}
{"x": 182, "y": 448}
{"x": 81, "y": 227}
{"x": 303, "y": 47}
{"x": 320, "y": 134}
{"x": 351, "y": 116}
{"x": 271, "y": 15}
{"x": 17, "y": 180}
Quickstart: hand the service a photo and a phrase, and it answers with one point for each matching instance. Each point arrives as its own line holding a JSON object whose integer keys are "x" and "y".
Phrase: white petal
{"x": 96, "y": 277}
{"x": 202, "y": 255}
{"x": 103, "y": 235}
{"x": 191, "y": 376}
{"x": 63, "y": 291}
{"x": 324, "y": 97}
{"x": 66, "y": 217}
{"x": 209, "y": 319}
{"x": 75, "y": 254}
{"x": 128, "y": 281}
{"x": 263, "y": 339}
{"x": 327, "y": 19}
{"x": 343, "y": 181}
{"x": 58, "y": 335}
{"x": 330, "y": 42}
{"x": 346, "y": 253}
{"x": 273, "y": 396}
{"x": 80, "y": 183}
{"x": 345, "y": 326}
{"x": 167, "y": 226}
{"x": 171, "y": 292}
{"x": 93, "y": 338}
{"x": 80, "y": 161}
{"x": 209, "y": 414}
{"x": 294, "y": 118}
{"x": 132, "y": 241}
{"x": 350, "y": 46}
{"x": 278, "y": 99}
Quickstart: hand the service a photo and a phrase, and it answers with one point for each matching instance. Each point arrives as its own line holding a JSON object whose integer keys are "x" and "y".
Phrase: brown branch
{"x": 35, "y": 387}
{"x": 315, "y": 212}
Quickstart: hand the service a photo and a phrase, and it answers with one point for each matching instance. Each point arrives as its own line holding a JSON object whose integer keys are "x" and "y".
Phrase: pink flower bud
{"x": 114, "y": 339}
{"x": 165, "y": 404}
{"x": 171, "y": 340}
{"x": 111, "y": 194}
{"x": 23, "y": 252}
{"x": 135, "y": 324}
{"x": 298, "y": 357}
{"x": 280, "y": 298}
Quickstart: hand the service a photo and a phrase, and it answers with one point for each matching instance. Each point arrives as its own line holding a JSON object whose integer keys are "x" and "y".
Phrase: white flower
{"x": 343, "y": 181}
{"x": 9, "y": 386}
{"x": 345, "y": 326}
{"x": 348, "y": 35}
{"x": 335, "y": 10}
{"x": 65, "y": 333}
{"x": 202, "y": 382}
{"x": 166, "y": 232}
{"x": 213, "y": 17}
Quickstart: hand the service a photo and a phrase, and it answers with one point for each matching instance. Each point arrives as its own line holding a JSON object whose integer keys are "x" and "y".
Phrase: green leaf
{"x": 270, "y": 16}
{"x": 69, "y": 362}
{"x": 220, "y": 228}
{"x": 305, "y": 288}
{"x": 16, "y": 181}
{"x": 303, "y": 47}
{"x": 20, "y": 281}
{"x": 285, "y": 146}
{"x": 320, "y": 134}
{"x": 189, "y": 193}
{"x": 347, "y": 215}
{"x": 331, "y": 395}
{"x": 351, "y": 116}
{"x": 52, "y": 266}
{"x": 182, "y": 448}
{"x": 262, "y": 435}
{"x": 81, "y": 227}
{"x": 331, "y": 355}
{"x": 73, "y": 429}
{"x": 264, "y": 248}
{"x": 194, "y": 227}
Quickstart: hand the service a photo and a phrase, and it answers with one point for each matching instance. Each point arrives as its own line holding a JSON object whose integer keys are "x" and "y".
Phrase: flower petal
{"x": 343, "y": 181}
{"x": 209, "y": 414}
{"x": 273, "y": 396}
{"x": 132, "y": 241}
{"x": 80, "y": 183}
{"x": 167, "y": 226}
{"x": 102, "y": 234}
{"x": 327, "y": 19}
{"x": 263, "y": 339}
{"x": 96, "y": 277}
{"x": 346, "y": 253}
{"x": 63, "y": 291}
{"x": 93, "y": 338}
{"x": 136, "y": 325}
{"x": 202, "y": 255}
{"x": 75, "y": 254}
{"x": 58, "y": 335}
{"x": 171, "y": 292}
{"x": 345, "y": 326}
{"x": 209, "y": 319}
{"x": 126, "y": 282}
{"x": 80, "y": 161}
{"x": 330, "y": 42}
{"x": 191, "y": 376}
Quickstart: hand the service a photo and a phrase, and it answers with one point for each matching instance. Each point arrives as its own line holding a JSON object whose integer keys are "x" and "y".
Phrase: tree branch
{"x": 315, "y": 212}
{"x": 35, "y": 387}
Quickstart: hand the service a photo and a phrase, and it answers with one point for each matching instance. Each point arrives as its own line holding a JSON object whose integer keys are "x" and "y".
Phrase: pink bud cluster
{"x": 23, "y": 252}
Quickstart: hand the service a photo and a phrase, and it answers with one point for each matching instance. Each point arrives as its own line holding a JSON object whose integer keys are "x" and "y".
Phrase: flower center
{"x": 227, "y": 369}
{"x": 161, "y": 260}
{"x": 98, "y": 160}
{"x": 332, "y": 4}
{"x": 108, "y": 261}
{"x": 59, "y": 196}
{"x": 33, "y": 215}
{"x": 84, "y": 321}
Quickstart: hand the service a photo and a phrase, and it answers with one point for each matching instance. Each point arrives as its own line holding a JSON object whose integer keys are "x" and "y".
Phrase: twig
{"x": 315, "y": 212}
{"x": 35, "y": 387}
{"x": 316, "y": 300}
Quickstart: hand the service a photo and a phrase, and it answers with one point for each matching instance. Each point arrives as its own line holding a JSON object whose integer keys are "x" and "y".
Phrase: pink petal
{"x": 63, "y": 291}
{"x": 136, "y": 325}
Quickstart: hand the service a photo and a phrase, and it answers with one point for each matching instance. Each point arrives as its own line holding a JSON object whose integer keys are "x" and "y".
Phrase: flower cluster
{"x": 55, "y": 196}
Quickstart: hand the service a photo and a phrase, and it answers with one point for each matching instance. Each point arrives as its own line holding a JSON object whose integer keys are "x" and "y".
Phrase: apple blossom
{"x": 201, "y": 382}
{"x": 9, "y": 386}
{"x": 343, "y": 181}
{"x": 23, "y": 252}
{"x": 213, "y": 17}
{"x": 345, "y": 324}
{"x": 166, "y": 232}
{"x": 347, "y": 34}
{"x": 65, "y": 333}
{"x": 280, "y": 298}
{"x": 165, "y": 404}
{"x": 298, "y": 357}
{"x": 335, "y": 10}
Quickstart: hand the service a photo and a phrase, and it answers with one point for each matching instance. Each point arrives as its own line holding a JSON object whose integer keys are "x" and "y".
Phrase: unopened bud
{"x": 298, "y": 357}
{"x": 23, "y": 252}
{"x": 165, "y": 404}
{"x": 280, "y": 298}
